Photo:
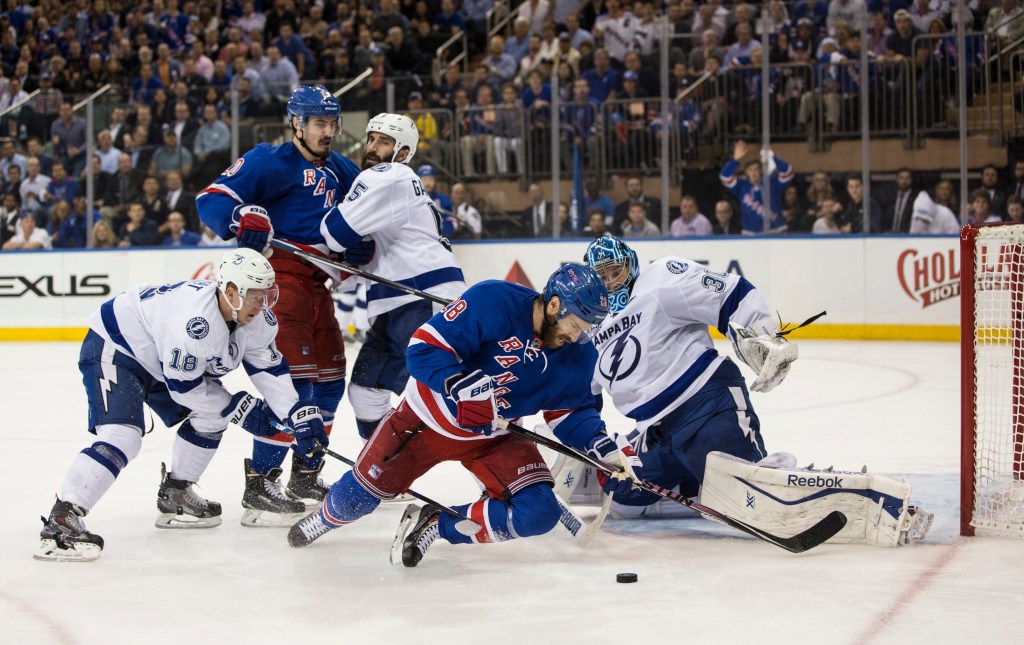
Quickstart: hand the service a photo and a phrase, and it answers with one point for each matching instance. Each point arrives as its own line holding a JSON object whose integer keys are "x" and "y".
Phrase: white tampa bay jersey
{"x": 388, "y": 203}
{"x": 657, "y": 352}
{"x": 177, "y": 333}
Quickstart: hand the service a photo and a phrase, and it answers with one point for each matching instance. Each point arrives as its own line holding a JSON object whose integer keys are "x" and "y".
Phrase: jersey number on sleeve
{"x": 183, "y": 361}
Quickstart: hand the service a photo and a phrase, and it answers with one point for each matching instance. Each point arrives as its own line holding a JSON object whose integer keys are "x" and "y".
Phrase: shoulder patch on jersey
{"x": 197, "y": 328}
{"x": 676, "y": 267}
{"x": 381, "y": 167}
{"x": 270, "y": 317}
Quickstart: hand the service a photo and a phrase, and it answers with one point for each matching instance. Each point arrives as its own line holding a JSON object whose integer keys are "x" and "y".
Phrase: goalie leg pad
{"x": 786, "y": 501}
{"x": 576, "y": 482}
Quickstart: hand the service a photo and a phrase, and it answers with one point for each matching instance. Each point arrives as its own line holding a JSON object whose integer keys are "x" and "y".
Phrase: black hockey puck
{"x": 625, "y": 577}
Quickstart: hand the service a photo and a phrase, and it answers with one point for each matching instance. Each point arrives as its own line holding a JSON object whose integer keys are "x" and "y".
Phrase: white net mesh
{"x": 999, "y": 380}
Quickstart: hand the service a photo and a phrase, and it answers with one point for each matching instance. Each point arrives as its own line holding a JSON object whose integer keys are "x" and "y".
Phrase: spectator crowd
{"x": 171, "y": 63}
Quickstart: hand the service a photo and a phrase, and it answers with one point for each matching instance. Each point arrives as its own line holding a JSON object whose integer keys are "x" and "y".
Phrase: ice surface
{"x": 892, "y": 406}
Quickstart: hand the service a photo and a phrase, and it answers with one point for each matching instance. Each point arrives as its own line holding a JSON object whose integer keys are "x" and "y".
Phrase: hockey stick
{"x": 808, "y": 539}
{"x": 355, "y": 81}
{"x": 334, "y": 265}
{"x": 422, "y": 498}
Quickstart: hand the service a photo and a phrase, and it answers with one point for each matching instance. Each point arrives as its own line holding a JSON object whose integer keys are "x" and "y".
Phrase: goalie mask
{"x": 617, "y": 265}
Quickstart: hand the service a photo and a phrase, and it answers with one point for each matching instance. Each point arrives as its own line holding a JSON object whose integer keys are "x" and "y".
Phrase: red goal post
{"x": 992, "y": 380}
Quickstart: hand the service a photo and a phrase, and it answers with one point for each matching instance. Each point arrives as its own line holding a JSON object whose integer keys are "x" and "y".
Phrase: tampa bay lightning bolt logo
{"x": 197, "y": 328}
{"x": 619, "y": 358}
{"x": 713, "y": 283}
{"x": 381, "y": 167}
{"x": 270, "y": 317}
{"x": 232, "y": 350}
{"x": 676, "y": 267}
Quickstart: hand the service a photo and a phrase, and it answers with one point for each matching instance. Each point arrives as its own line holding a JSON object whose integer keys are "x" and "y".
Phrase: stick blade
{"x": 811, "y": 537}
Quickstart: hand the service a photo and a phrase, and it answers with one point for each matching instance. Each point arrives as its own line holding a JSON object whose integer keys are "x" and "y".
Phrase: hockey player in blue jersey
{"x": 388, "y": 210}
{"x": 499, "y": 350}
{"x": 748, "y": 189}
{"x": 168, "y": 347}
{"x": 284, "y": 191}
{"x": 695, "y": 426}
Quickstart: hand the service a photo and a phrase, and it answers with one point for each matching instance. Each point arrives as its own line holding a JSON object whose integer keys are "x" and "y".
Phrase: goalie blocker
{"x": 788, "y": 500}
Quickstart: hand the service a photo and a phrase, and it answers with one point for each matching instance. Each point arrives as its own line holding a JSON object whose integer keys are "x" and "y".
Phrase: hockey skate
{"x": 181, "y": 508}
{"x": 64, "y": 537}
{"x": 307, "y": 530}
{"x": 304, "y": 482}
{"x": 416, "y": 532}
{"x": 265, "y": 501}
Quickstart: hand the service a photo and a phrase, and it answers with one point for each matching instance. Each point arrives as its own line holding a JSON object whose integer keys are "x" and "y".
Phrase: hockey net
{"x": 992, "y": 364}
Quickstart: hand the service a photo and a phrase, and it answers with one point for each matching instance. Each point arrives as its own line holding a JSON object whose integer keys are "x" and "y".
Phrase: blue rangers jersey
{"x": 751, "y": 198}
{"x": 177, "y": 333}
{"x": 657, "y": 352}
{"x": 295, "y": 192}
{"x": 388, "y": 203}
{"x": 490, "y": 328}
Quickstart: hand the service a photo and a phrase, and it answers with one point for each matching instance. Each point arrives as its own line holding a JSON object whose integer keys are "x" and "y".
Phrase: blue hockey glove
{"x": 473, "y": 394}
{"x": 619, "y": 452}
{"x": 253, "y": 414}
{"x": 251, "y": 226}
{"x": 308, "y": 428}
{"x": 361, "y": 253}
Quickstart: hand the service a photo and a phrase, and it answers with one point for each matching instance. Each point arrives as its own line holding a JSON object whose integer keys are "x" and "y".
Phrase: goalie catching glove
{"x": 767, "y": 353}
{"x": 619, "y": 452}
{"x": 307, "y": 426}
{"x": 473, "y": 394}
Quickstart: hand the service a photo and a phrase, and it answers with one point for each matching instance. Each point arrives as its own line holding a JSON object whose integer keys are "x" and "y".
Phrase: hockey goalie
{"x": 696, "y": 430}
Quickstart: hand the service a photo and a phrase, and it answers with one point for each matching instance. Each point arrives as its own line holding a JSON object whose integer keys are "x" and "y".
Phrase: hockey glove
{"x": 617, "y": 451}
{"x": 361, "y": 253}
{"x": 765, "y": 352}
{"x": 251, "y": 226}
{"x": 253, "y": 415}
{"x": 473, "y": 394}
{"x": 307, "y": 426}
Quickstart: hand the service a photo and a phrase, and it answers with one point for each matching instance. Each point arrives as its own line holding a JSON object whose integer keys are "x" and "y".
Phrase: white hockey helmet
{"x": 252, "y": 276}
{"x": 400, "y": 128}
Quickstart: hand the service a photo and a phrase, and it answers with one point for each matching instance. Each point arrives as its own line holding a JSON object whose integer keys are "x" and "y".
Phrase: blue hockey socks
{"x": 347, "y": 501}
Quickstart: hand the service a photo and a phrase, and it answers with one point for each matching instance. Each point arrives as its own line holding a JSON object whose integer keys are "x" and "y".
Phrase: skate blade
{"x": 408, "y": 517}
{"x": 79, "y": 552}
{"x": 175, "y": 521}
{"x": 401, "y": 498}
{"x": 258, "y": 519}
{"x": 310, "y": 502}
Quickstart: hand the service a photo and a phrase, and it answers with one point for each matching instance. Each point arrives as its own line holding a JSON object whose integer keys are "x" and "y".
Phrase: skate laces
{"x": 432, "y": 532}
{"x": 275, "y": 489}
{"x": 314, "y": 526}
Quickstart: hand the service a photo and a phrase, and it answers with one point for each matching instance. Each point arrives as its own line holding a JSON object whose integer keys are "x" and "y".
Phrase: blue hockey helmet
{"x": 307, "y": 101}
{"x": 426, "y": 170}
{"x": 580, "y": 291}
{"x": 617, "y": 265}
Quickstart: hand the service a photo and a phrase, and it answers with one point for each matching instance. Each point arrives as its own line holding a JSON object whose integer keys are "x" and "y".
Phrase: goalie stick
{"x": 422, "y": 498}
{"x": 808, "y": 539}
